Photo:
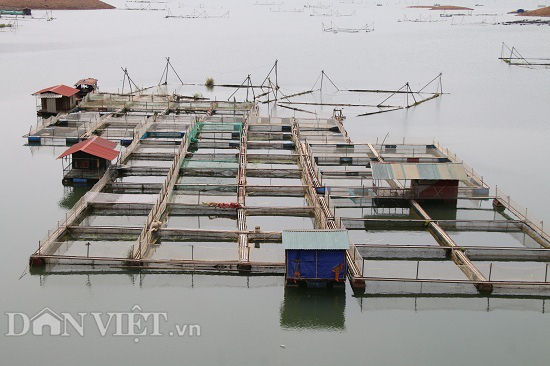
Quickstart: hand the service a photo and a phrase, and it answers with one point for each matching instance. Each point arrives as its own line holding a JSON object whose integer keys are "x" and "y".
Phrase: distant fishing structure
{"x": 165, "y": 73}
{"x": 145, "y": 6}
{"x": 448, "y": 15}
{"x": 333, "y": 28}
{"x": 527, "y": 22}
{"x": 281, "y": 10}
{"x": 332, "y": 13}
{"x": 25, "y": 14}
{"x": 269, "y": 3}
{"x": 195, "y": 14}
{"x": 428, "y": 19}
{"x": 273, "y": 93}
{"x": 512, "y": 57}
{"x": 48, "y": 16}
{"x": 463, "y": 21}
{"x": 9, "y": 26}
{"x": 189, "y": 5}
{"x": 269, "y": 91}
{"x": 321, "y": 94}
{"x": 147, "y": 1}
{"x": 487, "y": 15}
{"x": 317, "y": 6}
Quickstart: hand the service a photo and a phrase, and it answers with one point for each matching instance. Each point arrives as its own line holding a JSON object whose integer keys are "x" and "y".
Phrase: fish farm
{"x": 214, "y": 186}
{"x": 266, "y": 182}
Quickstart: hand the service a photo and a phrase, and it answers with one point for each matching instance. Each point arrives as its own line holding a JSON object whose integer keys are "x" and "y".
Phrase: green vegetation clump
{"x": 210, "y": 83}
{"x": 197, "y": 95}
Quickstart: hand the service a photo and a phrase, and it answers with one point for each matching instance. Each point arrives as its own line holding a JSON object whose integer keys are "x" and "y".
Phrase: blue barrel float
{"x": 34, "y": 140}
{"x": 126, "y": 142}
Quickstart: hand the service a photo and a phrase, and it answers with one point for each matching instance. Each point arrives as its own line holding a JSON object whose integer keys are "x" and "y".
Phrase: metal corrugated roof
{"x": 95, "y": 146}
{"x": 315, "y": 239}
{"x": 63, "y": 90}
{"x": 429, "y": 171}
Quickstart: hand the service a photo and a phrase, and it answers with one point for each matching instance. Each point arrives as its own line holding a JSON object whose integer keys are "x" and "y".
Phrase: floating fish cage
{"x": 213, "y": 186}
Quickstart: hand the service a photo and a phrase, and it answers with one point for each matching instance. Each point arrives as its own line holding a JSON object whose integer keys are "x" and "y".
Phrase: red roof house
{"x": 56, "y": 99}
{"x": 88, "y": 160}
{"x": 62, "y": 90}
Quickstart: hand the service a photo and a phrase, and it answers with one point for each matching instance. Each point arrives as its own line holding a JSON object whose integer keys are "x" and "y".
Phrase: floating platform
{"x": 210, "y": 187}
{"x": 117, "y": 117}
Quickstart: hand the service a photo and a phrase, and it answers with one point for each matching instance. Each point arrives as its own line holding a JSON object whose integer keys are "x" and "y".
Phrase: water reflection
{"x": 371, "y": 303}
{"x": 313, "y": 309}
{"x": 440, "y": 209}
{"x": 71, "y": 195}
{"x": 301, "y": 308}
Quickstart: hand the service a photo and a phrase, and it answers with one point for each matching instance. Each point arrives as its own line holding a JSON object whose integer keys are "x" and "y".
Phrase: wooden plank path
{"x": 244, "y": 249}
{"x": 154, "y": 222}
{"x": 325, "y": 216}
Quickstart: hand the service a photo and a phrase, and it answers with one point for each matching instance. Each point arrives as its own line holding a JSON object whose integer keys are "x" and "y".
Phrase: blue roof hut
{"x": 316, "y": 258}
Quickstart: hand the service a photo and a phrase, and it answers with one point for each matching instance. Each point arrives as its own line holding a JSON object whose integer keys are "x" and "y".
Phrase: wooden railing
{"x": 45, "y": 245}
{"x": 146, "y": 236}
{"x": 523, "y": 214}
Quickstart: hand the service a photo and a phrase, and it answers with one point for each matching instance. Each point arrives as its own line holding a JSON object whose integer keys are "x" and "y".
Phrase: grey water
{"x": 496, "y": 118}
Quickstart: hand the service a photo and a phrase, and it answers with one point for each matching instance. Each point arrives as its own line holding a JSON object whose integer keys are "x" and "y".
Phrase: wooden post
{"x": 276, "y": 81}
{"x": 490, "y": 271}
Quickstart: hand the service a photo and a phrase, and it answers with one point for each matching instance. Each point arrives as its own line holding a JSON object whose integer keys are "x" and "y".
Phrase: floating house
{"x": 427, "y": 180}
{"x": 85, "y": 86}
{"x": 24, "y": 11}
{"x": 56, "y": 99}
{"x": 316, "y": 258}
{"x": 87, "y": 161}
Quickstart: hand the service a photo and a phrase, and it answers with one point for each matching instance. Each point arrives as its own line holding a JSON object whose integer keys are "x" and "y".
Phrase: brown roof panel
{"x": 87, "y": 81}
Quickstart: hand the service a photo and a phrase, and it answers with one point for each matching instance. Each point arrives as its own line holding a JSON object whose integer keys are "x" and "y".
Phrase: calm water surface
{"x": 496, "y": 118}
